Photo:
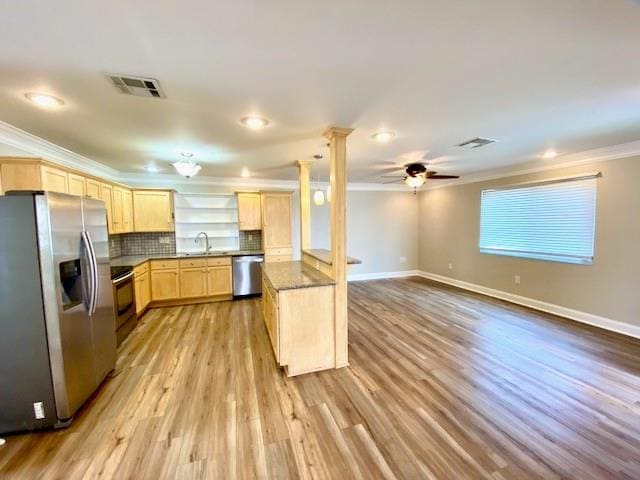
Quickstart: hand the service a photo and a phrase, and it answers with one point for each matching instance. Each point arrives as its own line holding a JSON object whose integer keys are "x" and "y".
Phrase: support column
{"x": 338, "y": 180}
{"x": 305, "y": 204}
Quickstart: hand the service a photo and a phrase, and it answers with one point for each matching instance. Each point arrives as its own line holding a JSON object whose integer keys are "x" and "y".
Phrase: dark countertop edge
{"x": 135, "y": 260}
{"x": 318, "y": 254}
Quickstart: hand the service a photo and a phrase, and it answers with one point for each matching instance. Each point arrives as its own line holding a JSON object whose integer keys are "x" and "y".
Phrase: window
{"x": 546, "y": 221}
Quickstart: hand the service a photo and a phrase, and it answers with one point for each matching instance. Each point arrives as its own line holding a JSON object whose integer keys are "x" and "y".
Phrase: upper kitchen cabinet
{"x": 153, "y": 211}
{"x": 92, "y": 188}
{"x": 249, "y": 211}
{"x": 122, "y": 210}
{"x": 106, "y": 195}
{"x": 276, "y": 226}
{"x": 54, "y": 180}
{"x": 77, "y": 185}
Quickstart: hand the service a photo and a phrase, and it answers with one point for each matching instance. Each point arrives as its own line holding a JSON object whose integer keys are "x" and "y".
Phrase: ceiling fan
{"x": 417, "y": 174}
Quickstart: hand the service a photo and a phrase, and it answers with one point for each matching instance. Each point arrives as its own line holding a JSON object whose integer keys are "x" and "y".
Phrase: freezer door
{"x": 103, "y": 320}
{"x": 64, "y": 267}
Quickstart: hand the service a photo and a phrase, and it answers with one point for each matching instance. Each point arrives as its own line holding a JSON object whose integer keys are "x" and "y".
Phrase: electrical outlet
{"x": 38, "y": 410}
{"x": 164, "y": 240}
{"x": 403, "y": 259}
{"x": 250, "y": 236}
{"x": 516, "y": 279}
{"x": 451, "y": 266}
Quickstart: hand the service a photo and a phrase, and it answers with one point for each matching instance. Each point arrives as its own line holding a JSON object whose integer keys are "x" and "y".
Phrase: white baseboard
{"x": 577, "y": 315}
{"x": 380, "y": 275}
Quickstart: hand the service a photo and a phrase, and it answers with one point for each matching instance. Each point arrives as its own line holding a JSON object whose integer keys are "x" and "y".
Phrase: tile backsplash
{"x": 251, "y": 240}
{"x": 155, "y": 243}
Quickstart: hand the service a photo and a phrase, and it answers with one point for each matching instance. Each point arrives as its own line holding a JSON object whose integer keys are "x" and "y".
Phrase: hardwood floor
{"x": 442, "y": 384}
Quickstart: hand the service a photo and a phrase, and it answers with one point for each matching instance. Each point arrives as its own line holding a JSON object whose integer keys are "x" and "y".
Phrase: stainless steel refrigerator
{"x": 57, "y": 323}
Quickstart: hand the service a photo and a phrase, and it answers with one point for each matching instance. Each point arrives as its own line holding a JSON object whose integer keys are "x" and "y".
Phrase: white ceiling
{"x": 534, "y": 74}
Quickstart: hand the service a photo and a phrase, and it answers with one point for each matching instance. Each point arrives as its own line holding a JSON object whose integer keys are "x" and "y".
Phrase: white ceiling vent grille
{"x": 138, "y": 86}
{"x": 476, "y": 142}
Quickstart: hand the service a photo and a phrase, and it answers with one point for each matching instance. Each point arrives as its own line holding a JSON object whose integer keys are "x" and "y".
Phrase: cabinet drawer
{"x": 141, "y": 269}
{"x": 278, "y": 258}
{"x": 278, "y": 251}
{"x": 193, "y": 262}
{"x": 218, "y": 261}
{"x": 163, "y": 264}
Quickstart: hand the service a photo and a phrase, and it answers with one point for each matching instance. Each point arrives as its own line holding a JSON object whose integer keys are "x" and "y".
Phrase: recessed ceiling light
{"x": 254, "y": 123}
{"x": 245, "y": 173}
{"x": 152, "y": 169}
{"x": 43, "y": 100}
{"x": 383, "y": 137}
{"x": 186, "y": 154}
{"x": 550, "y": 154}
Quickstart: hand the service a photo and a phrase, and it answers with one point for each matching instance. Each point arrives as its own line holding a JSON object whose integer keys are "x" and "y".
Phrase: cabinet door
{"x": 54, "y": 180}
{"x": 219, "y": 281}
{"x": 117, "y": 210}
{"x": 142, "y": 292}
{"x": 106, "y": 195}
{"x": 193, "y": 282}
{"x": 127, "y": 211}
{"x": 152, "y": 211}
{"x": 249, "y": 213}
{"x": 93, "y": 188}
{"x": 276, "y": 220}
{"x": 77, "y": 185}
{"x": 164, "y": 284}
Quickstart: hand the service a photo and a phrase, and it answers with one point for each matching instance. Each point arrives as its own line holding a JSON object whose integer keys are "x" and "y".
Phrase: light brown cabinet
{"x": 249, "y": 211}
{"x": 54, "y": 180}
{"x": 153, "y": 210}
{"x": 92, "y": 188}
{"x": 106, "y": 195}
{"x": 193, "y": 282}
{"x": 165, "y": 284}
{"x": 219, "y": 281}
{"x": 77, "y": 185}
{"x": 276, "y": 226}
{"x": 127, "y": 211}
{"x": 142, "y": 285}
{"x": 122, "y": 210}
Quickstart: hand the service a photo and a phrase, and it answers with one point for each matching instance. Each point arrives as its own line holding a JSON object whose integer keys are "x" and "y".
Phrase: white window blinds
{"x": 549, "y": 221}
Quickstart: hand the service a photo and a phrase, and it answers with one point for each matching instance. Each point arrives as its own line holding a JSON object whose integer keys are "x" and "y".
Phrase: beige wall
{"x": 449, "y": 233}
{"x": 381, "y": 228}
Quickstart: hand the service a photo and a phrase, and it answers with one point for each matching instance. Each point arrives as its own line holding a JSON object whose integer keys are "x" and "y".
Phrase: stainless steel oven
{"x": 124, "y": 301}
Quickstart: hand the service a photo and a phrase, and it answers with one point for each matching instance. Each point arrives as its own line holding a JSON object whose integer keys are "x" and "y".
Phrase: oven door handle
{"x": 123, "y": 279}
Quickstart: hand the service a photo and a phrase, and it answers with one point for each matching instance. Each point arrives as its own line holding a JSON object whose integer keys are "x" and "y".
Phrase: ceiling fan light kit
{"x": 187, "y": 169}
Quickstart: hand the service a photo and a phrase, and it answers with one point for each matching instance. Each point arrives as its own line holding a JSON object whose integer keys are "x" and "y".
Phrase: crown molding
{"x": 39, "y": 147}
{"x": 604, "y": 154}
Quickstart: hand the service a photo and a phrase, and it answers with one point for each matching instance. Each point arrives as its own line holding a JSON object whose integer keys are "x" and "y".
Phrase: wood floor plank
{"x": 442, "y": 384}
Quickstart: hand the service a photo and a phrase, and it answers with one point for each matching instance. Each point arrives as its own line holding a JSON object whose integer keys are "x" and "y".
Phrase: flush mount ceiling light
{"x": 254, "y": 123}
{"x": 318, "y": 197}
{"x": 383, "y": 137}
{"x": 550, "y": 154}
{"x": 152, "y": 169}
{"x": 187, "y": 169}
{"x": 245, "y": 173}
{"x": 415, "y": 181}
{"x": 186, "y": 154}
{"x": 43, "y": 100}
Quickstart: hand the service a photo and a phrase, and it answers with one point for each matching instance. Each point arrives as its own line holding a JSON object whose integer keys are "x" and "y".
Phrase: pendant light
{"x": 187, "y": 168}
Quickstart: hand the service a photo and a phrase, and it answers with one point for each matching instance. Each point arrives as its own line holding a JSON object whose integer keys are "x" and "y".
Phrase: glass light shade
{"x": 329, "y": 193}
{"x": 187, "y": 169}
{"x": 414, "y": 182}
{"x": 318, "y": 197}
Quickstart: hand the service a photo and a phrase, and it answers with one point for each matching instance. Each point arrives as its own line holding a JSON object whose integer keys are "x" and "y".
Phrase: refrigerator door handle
{"x": 93, "y": 272}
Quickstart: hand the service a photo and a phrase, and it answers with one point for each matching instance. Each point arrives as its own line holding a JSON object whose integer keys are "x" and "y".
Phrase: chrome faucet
{"x": 206, "y": 237}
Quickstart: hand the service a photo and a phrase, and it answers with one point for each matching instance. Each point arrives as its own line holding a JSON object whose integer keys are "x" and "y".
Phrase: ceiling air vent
{"x": 138, "y": 86}
{"x": 476, "y": 142}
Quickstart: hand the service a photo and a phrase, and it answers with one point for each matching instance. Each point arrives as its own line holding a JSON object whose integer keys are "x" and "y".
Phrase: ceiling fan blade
{"x": 394, "y": 181}
{"x": 441, "y": 177}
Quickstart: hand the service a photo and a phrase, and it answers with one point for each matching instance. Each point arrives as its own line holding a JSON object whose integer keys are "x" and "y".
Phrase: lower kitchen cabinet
{"x": 193, "y": 282}
{"x": 219, "y": 281}
{"x": 165, "y": 284}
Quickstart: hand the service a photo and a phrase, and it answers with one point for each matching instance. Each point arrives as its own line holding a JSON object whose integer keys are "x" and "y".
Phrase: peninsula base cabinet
{"x": 300, "y": 323}
{"x": 142, "y": 284}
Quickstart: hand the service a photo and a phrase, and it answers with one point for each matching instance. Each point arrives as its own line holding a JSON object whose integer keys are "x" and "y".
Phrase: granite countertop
{"x": 323, "y": 255}
{"x": 134, "y": 260}
{"x": 291, "y": 275}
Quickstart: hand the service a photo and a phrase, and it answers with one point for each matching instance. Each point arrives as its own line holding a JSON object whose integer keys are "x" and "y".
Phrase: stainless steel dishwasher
{"x": 247, "y": 275}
